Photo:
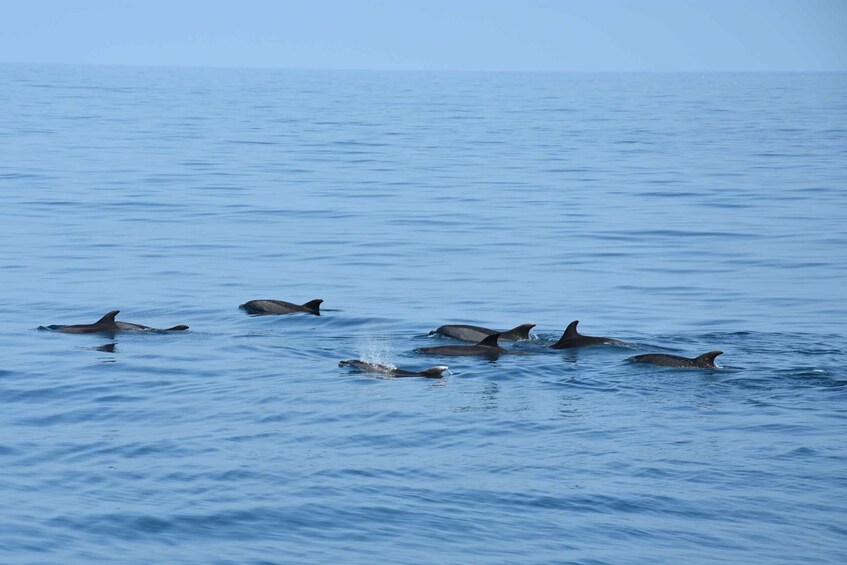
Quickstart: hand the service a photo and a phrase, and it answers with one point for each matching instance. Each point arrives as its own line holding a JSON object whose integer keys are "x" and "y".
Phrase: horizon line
{"x": 424, "y": 70}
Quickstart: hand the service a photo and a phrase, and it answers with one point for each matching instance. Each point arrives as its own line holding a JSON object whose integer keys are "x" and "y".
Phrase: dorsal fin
{"x": 108, "y": 319}
{"x": 521, "y": 331}
{"x": 490, "y": 341}
{"x": 434, "y": 372}
{"x": 571, "y": 332}
{"x": 709, "y": 358}
{"x": 313, "y": 305}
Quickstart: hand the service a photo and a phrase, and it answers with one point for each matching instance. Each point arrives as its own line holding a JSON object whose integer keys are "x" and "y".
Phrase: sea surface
{"x": 681, "y": 213}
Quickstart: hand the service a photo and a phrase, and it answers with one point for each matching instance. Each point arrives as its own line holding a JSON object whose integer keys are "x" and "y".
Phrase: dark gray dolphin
{"x": 476, "y": 334}
{"x": 431, "y": 373}
{"x": 572, "y": 338}
{"x": 109, "y": 324}
{"x": 281, "y": 307}
{"x": 705, "y": 361}
{"x": 487, "y": 346}
{"x": 127, "y": 326}
{"x": 104, "y": 324}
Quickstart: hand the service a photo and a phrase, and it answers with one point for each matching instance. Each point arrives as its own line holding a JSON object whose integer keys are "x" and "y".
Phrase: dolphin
{"x": 431, "y": 373}
{"x": 108, "y": 323}
{"x": 487, "y": 346}
{"x": 476, "y": 333}
{"x": 281, "y": 307}
{"x": 127, "y": 326}
{"x": 705, "y": 361}
{"x": 104, "y": 324}
{"x": 572, "y": 338}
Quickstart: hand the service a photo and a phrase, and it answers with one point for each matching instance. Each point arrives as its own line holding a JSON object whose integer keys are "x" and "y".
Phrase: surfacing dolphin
{"x": 282, "y": 307}
{"x": 431, "y": 373}
{"x": 705, "y": 361}
{"x": 104, "y": 325}
{"x": 476, "y": 334}
{"x": 487, "y": 346}
{"x": 108, "y": 324}
{"x": 572, "y": 338}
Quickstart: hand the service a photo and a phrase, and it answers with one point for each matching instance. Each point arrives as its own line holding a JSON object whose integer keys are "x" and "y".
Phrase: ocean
{"x": 679, "y": 212}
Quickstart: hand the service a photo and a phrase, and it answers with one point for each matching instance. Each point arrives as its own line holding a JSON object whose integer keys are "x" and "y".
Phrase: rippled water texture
{"x": 679, "y": 212}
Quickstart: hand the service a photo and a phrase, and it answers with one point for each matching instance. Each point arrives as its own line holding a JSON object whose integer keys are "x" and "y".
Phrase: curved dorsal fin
{"x": 709, "y": 358}
{"x": 571, "y": 332}
{"x": 108, "y": 319}
{"x": 313, "y": 305}
{"x": 490, "y": 341}
{"x": 521, "y": 331}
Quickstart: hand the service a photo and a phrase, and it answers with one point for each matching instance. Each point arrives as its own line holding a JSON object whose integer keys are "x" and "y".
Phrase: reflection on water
{"x": 490, "y": 391}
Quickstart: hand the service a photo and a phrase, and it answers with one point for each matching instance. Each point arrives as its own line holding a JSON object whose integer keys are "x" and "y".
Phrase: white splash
{"x": 376, "y": 351}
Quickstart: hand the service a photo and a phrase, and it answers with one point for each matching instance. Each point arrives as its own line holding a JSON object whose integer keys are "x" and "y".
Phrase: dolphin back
{"x": 705, "y": 361}
{"x": 436, "y": 372}
{"x": 104, "y": 324}
{"x": 431, "y": 373}
{"x": 268, "y": 306}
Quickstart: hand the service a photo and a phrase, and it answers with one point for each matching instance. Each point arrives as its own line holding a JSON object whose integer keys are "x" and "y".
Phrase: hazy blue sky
{"x": 582, "y": 35}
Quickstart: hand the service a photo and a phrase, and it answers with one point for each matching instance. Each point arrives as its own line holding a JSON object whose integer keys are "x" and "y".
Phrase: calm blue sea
{"x": 680, "y": 212}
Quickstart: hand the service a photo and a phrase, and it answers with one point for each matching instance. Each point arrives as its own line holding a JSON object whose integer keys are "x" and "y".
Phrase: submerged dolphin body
{"x": 487, "y": 346}
{"x": 281, "y": 307}
{"x": 572, "y": 338}
{"x": 705, "y": 361}
{"x": 476, "y": 334}
{"x": 127, "y": 326}
{"x": 104, "y": 324}
{"x": 431, "y": 373}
